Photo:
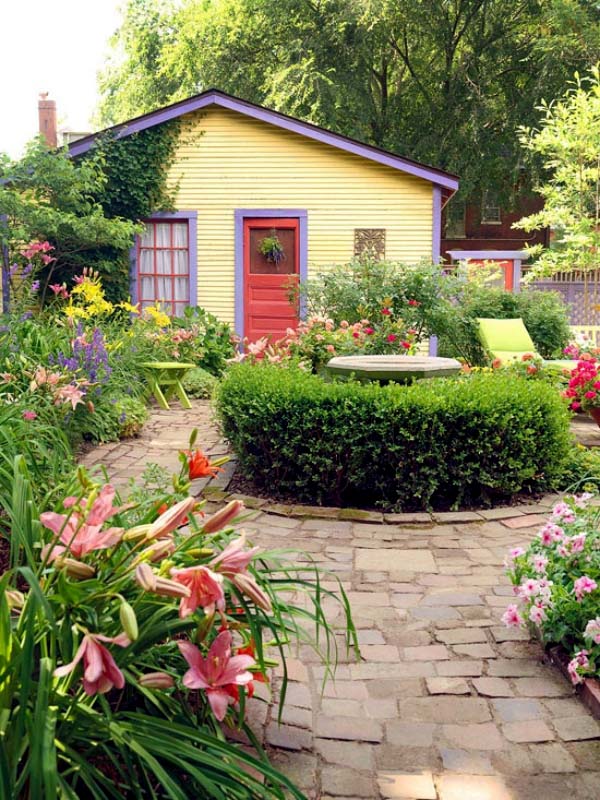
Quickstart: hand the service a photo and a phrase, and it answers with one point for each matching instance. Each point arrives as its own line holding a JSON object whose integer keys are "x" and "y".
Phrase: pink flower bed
{"x": 556, "y": 583}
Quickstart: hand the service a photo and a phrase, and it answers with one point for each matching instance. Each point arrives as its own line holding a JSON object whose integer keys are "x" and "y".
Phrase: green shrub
{"x": 544, "y": 314}
{"x": 199, "y": 383}
{"x": 437, "y": 443}
{"x": 132, "y": 414}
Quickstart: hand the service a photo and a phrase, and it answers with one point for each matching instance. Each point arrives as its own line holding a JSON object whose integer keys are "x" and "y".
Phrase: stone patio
{"x": 446, "y": 703}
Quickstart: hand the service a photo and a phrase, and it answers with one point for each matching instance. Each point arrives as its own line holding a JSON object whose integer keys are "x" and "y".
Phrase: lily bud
{"x": 151, "y": 582}
{"x": 156, "y": 680}
{"x": 129, "y": 621}
{"x": 15, "y": 599}
{"x": 199, "y": 552}
{"x": 156, "y": 551}
{"x": 223, "y": 517}
{"x": 248, "y": 586}
{"x": 74, "y": 568}
{"x": 145, "y": 577}
{"x": 171, "y": 519}
{"x": 137, "y": 532}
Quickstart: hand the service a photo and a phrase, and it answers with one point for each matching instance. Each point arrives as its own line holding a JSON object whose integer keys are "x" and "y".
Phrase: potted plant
{"x": 272, "y": 249}
{"x": 583, "y": 390}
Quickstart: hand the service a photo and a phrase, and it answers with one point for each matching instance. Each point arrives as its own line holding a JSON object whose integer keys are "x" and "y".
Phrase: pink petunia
{"x": 576, "y": 664}
{"x": 217, "y": 672}
{"x": 540, "y": 562}
{"x": 537, "y": 614}
{"x": 563, "y": 512}
{"x": 511, "y": 617}
{"x": 584, "y": 585}
{"x": 592, "y": 630}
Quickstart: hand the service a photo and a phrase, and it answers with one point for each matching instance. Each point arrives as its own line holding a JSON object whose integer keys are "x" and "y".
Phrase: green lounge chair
{"x": 509, "y": 340}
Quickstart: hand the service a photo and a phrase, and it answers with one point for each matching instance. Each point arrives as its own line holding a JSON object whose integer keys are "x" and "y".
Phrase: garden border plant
{"x": 443, "y": 443}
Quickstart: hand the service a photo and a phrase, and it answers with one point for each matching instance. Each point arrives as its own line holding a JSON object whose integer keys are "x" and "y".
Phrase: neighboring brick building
{"x": 488, "y": 227}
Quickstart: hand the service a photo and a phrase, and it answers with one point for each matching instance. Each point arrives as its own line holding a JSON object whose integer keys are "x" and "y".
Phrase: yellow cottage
{"x": 264, "y": 199}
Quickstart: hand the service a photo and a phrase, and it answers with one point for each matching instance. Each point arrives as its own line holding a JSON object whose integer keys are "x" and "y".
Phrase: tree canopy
{"x": 447, "y": 82}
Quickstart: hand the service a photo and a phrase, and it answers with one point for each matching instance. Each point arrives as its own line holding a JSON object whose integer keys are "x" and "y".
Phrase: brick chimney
{"x": 47, "y": 118}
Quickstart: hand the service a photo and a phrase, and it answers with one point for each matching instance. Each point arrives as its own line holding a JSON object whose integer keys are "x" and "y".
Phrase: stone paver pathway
{"x": 446, "y": 704}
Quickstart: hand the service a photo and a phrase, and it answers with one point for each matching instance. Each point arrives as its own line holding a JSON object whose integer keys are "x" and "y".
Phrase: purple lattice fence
{"x": 584, "y": 307}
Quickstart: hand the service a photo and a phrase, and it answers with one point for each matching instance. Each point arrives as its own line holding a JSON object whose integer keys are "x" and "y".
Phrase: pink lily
{"x": 234, "y": 558}
{"x": 216, "y": 672}
{"x": 205, "y": 587}
{"x": 81, "y": 534}
{"x": 69, "y": 394}
{"x": 100, "y": 672}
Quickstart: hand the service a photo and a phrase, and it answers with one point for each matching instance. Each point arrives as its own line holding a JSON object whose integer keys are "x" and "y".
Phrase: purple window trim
{"x": 436, "y": 233}
{"x": 214, "y": 97}
{"x": 240, "y": 214}
{"x": 192, "y": 218}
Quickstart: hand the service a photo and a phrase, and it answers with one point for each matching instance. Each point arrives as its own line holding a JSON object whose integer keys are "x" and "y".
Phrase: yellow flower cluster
{"x": 87, "y": 300}
{"x": 157, "y": 316}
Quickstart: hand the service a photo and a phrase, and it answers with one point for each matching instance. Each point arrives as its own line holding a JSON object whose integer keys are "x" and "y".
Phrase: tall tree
{"x": 443, "y": 81}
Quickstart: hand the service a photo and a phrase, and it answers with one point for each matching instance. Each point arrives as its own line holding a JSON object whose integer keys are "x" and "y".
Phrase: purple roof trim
{"x": 307, "y": 129}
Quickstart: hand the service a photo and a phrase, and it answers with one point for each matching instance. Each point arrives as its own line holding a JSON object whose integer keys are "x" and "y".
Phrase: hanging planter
{"x": 272, "y": 249}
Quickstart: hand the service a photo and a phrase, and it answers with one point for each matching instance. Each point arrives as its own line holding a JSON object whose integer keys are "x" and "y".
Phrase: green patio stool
{"x": 509, "y": 340}
{"x": 165, "y": 379}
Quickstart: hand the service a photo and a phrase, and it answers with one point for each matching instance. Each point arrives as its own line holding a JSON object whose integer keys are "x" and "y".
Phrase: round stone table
{"x": 401, "y": 369}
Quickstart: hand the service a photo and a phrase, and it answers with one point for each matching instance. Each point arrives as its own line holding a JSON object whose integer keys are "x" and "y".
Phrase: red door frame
{"x": 292, "y": 223}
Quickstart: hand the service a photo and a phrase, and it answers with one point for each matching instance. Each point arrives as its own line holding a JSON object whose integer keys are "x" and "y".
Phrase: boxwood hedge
{"x": 435, "y": 444}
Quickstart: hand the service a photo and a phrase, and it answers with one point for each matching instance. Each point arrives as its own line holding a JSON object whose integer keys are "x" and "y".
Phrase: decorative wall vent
{"x": 369, "y": 242}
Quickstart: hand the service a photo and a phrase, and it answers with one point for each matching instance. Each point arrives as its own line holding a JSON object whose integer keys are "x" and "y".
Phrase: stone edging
{"x": 589, "y": 690}
{"x": 522, "y": 516}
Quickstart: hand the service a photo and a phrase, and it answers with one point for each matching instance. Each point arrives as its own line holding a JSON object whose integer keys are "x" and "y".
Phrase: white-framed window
{"x": 163, "y": 260}
{"x": 491, "y": 213}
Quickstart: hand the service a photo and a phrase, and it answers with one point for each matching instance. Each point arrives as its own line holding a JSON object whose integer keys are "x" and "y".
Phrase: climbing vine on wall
{"x": 136, "y": 169}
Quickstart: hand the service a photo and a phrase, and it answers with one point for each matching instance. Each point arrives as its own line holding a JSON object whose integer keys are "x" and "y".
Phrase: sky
{"x": 54, "y": 46}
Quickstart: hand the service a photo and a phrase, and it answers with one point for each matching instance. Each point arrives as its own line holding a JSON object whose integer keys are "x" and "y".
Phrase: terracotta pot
{"x": 595, "y": 415}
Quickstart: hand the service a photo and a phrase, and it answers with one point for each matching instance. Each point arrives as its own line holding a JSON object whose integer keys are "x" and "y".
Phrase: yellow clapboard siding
{"x": 226, "y": 160}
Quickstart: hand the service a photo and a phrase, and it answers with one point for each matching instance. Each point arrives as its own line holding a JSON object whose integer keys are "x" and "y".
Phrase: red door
{"x": 267, "y": 309}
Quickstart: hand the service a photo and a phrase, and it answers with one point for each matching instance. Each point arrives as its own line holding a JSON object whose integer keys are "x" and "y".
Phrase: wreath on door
{"x": 272, "y": 249}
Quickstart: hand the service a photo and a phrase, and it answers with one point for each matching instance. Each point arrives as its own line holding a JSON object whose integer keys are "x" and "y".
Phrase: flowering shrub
{"x": 557, "y": 583}
{"x": 314, "y": 342}
{"x": 131, "y": 637}
{"x": 582, "y": 344}
{"x": 583, "y": 389}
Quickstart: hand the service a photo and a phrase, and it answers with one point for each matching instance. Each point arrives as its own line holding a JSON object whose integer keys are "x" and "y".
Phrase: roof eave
{"x": 306, "y": 129}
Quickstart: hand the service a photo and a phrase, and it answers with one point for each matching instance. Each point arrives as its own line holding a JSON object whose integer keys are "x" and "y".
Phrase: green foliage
{"x": 139, "y": 740}
{"x": 215, "y": 343}
{"x": 46, "y": 196}
{"x": 446, "y": 83}
{"x": 582, "y": 471}
{"x": 199, "y": 383}
{"x": 438, "y": 443}
{"x": 567, "y": 142}
{"x": 136, "y": 170}
{"x": 132, "y": 414}
{"x": 544, "y": 314}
